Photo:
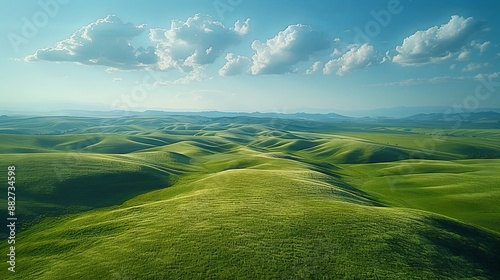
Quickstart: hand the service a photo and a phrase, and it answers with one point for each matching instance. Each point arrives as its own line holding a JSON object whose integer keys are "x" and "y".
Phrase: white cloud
{"x": 491, "y": 76}
{"x": 437, "y": 44}
{"x": 336, "y": 52}
{"x": 446, "y": 79}
{"x": 314, "y": 68}
{"x": 242, "y": 28}
{"x": 117, "y": 80}
{"x": 453, "y": 67}
{"x": 234, "y": 65}
{"x": 196, "y": 42}
{"x": 464, "y": 55}
{"x": 104, "y": 42}
{"x": 484, "y": 46}
{"x": 196, "y": 75}
{"x": 357, "y": 57}
{"x": 294, "y": 44}
{"x": 481, "y": 46}
{"x": 471, "y": 67}
{"x": 386, "y": 58}
{"x": 426, "y": 81}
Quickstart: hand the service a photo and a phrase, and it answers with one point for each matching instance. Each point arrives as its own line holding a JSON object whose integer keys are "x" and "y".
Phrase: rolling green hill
{"x": 248, "y": 198}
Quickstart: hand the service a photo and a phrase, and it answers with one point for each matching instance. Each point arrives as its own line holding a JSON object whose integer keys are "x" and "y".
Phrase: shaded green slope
{"x": 55, "y": 184}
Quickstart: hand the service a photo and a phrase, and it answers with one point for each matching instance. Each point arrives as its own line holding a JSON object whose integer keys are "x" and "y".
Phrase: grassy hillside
{"x": 463, "y": 189}
{"x": 244, "y": 198}
{"x": 59, "y": 183}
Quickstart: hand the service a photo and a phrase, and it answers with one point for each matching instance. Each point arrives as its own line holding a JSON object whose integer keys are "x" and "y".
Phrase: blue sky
{"x": 242, "y": 55}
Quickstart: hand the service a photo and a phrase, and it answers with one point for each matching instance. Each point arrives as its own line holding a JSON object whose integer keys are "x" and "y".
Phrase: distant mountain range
{"x": 466, "y": 117}
{"x": 152, "y": 113}
{"x": 403, "y": 112}
{"x": 217, "y": 114}
{"x": 483, "y": 116}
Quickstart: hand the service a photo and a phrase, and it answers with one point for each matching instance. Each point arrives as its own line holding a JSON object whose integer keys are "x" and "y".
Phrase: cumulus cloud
{"x": 198, "y": 41}
{"x": 242, "y": 28}
{"x": 314, "y": 68}
{"x": 294, "y": 44}
{"x": 357, "y": 57}
{"x": 437, "y": 44}
{"x": 104, "y": 42}
{"x": 235, "y": 65}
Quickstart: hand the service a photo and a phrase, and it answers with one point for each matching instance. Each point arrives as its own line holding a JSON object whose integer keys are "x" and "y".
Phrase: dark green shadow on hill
{"x": 86, "y": 193}
{"x": 106, "y": 189}
{"x": 469, "y": 246}
{"x": 150, "y": 141}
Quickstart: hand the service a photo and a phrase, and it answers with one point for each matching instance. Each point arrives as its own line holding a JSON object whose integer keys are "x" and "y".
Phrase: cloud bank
{"x": 192, "y": 45}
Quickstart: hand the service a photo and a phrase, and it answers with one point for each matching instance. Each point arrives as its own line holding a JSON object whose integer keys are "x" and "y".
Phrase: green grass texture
{"x": 250, "y": 198}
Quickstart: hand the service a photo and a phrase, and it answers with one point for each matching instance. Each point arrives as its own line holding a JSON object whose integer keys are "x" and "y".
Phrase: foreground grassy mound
{"x": 256, "y": 224}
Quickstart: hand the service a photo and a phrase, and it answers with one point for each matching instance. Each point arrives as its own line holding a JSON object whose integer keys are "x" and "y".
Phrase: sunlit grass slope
{"x": 465, "y": 189}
